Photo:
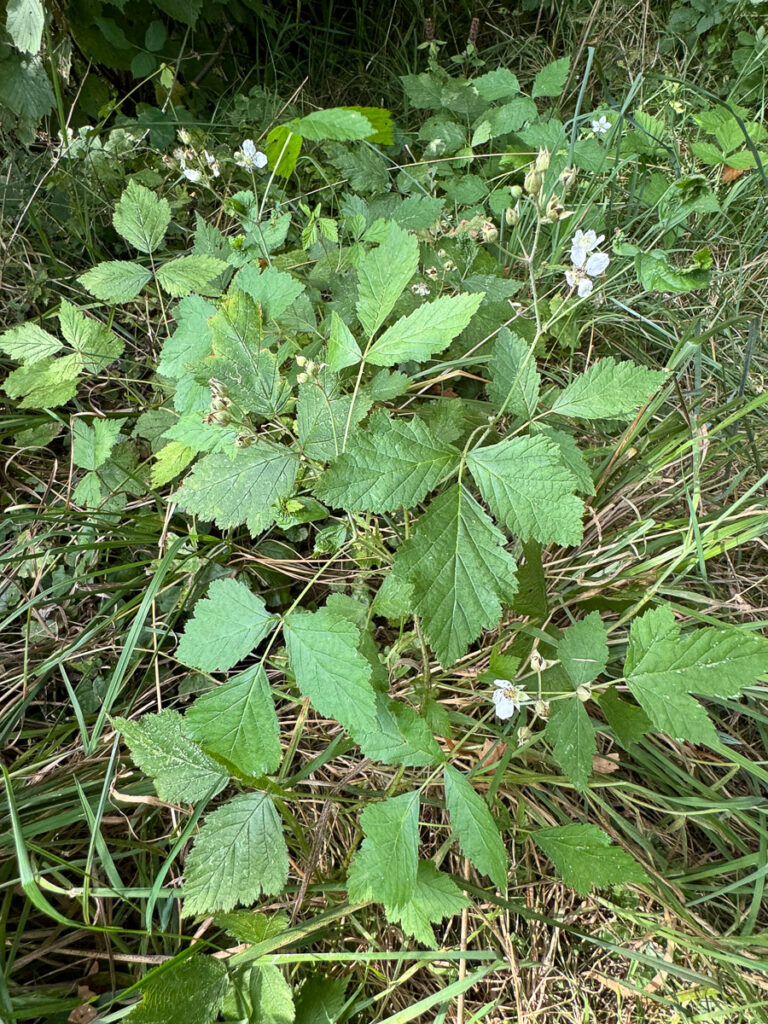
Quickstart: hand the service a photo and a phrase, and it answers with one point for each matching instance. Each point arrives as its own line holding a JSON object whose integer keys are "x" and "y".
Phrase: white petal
{"x": 597, "y": 264}
{"x": 578, "y": 256}
{"x": 585, "y": 287}
{"x": 249, "y": 148}
{"x": 259, "y": 159}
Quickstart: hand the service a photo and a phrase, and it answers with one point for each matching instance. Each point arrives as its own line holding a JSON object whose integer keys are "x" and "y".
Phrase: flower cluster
{"x": 586, "y": 264}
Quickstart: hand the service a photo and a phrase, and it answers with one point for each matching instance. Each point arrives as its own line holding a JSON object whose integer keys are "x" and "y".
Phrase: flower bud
{"x": 302, "y": 378}
{"x": 524, "y": 733}
{"x": 541, "y": 707}
{"x": 301, "y": 360}
{"x": 568, "y": 176}
{"x": 512, "y": 215}
{"x": 537, "y": 662}
{"x": 584, "y": 693}
{"x": 542, "y": 161}
{"x": 533, "y": 182}
{"x": 516, "y": 192}
{"x": 489, "y": 231}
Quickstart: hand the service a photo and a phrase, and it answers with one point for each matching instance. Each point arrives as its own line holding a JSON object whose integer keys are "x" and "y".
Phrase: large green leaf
{"x": 608, "y": 390}
{"x": 141, "y": 217}
{"x": 192, "y": 340}
{"x": 93, "y": 341}
{"x": 385, "y": 867}
{"x": 475, "y": 828}
{"x": 401, "y": 736}
{"x": 115, "y": 281}
{"x": 187, "y": 274}
{"x": 383, "y": 273}
{"x": 24, "y": 22}
{"x": 226, "y": 627}
{"x": 28, "y": 343}
{"x": 429, "y": 329}
{"x": 515, "y": 381}
{"x": 272, "y": 289}
{"x": 238, "y": 854}
{"x": 45, "y": 384}
{"x": 25, "y": 90}
{"x": 572, "y": 736}
{"x": 585, "y": 859}
{"x": 459, "y": 571}
{"x": 435, "y": 896}
{"x": 337, "y": 123}
{"x": 189, "y": 992}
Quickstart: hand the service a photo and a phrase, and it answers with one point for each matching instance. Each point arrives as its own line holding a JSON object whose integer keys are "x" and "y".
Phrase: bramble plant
{"x": 365, "y": 382}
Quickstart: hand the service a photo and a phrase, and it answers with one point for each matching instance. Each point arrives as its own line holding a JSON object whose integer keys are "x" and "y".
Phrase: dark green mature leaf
{"x": 515, "y": 381}
{"x": 240, "y": 489}
{"x": 226, "y": 627}
{"x": 583, "y": 651}
{"x": 271, "y": 288}
{"x": 585, "y": 859}
{"x": 459, "y": 570}
{"x": 269, "y": 995}
{"x": 394, "y": 463}
{"x": 529, "y": 489}
{"x": 323, "y": 414}
{"x": 572, "y": 736}
{"x": 330, "y": 669}
{"x": 608, "y": 390}
{"x": 25, "y": 90}
{"x": 429, "y": 329}
{"x": 192, "y": 340}
{"x": 320, "y": 1000}
{"x": 238, "y": 854}
{"x": 182, "y": 773}
{"x": 551, "y": 80}
{"x": 141, "y": 217}
{"x": 402, "y": 736}
{"x": 434, "y": 897}
{"x": 385, "y": 867}
{"x": 383, "y": 273}
{"x": 189, "y": 992}
{"x": 237, "y": 722}
{"x": 343, "y": 349}
{"x": 628, "y": 722}
{"x": 475, "y": 828}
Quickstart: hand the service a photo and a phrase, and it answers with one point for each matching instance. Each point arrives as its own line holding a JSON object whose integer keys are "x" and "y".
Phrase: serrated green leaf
{"x": 475, "y": 829}
{"x": 583, "y": 651}
{"x": 269, "y": 995}
{"x": 608, "y": 390}
{"x": 329, "y": 668}
{"x": 551, "y": 80}
{"x": 141, "y": 217}
{"x": 429, "y": 329}
{"x": 570, "y": 456}
{"x": 28, "y": 343}
{"x": 91, "y": 445}
{"x": 172, "y": 459}
{"x": 115, "y": 281}
{"x": 192, "y": 340}
{"x": 24, "y": 23}
{"x": 381, "y": 122}
{"x": 529, "y": 489}
{"x": 238, "y": 854}
{"x": 241, "y": 489}
{"x": 515, "y": 381}
{"x": 383, "y": 273}
{"x": 188, "y": 274}
{"x": 252, "y": 926}
{"x": 338, "y": 124}
{"x": 282, "y": 147}
{"x": 88, "y": 491}
{"x": 385, "y": 868}
{"x": 26, "y": 91}
{"x": 585, "y": 859}
{"x": 497, "y": 85}
{"x": 459, "y": 571}
{"x": 94, "y": 342}
{"x": 394, "y": 463}
{"x": 237, "y": 721}
{"x": 225, "y": 628}
{"x": 46, "y": 384}
{"x": 182, "y": 773}
{"x": 272, "y": 289}
{"x": 435, "y": 897}
{"x": 343, "y": 349}
{"x": 320, "y": 1000}
{"x": 628, "y": 722}
{"x": 572, "y": 736}
{"x": 401, "y": 736}
{"x": 189, "y": 992}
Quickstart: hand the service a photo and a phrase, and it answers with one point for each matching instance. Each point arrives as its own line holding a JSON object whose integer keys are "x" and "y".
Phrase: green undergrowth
{"x": 383, "y": 559}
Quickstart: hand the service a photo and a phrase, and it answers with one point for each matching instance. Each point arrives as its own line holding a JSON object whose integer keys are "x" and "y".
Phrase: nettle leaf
{"x": 394, "y": 463}
{"x": 550, "y": 81}
{"x": 141, "y": 217}
{"x": 529, "y": 489}
{"x": 45, "y": 384}
{"x": 226, "y": 626}
{"x": 583, "y": 651}
{"x": 93, "y": 341}
{"x": 608, "y": 390}
{"x": 115, "y": 281}
{"x": 272, "y": 289}
{"x": 664, "y": 668}
{"x": 28, "y": 343}
{"x": 330, "y": 669}
{"x": 515, "y": 381}
{"x": 435, "y": 896}
{"x": 475, "y": 828}
{"x": 401, "y": 736}
{"x": 241, "y": 489}
{"x": 188, "y": 274}
{"x": 192, "y": 340}
{"x": 585, "y": 859}
{"x": 182, "y": 773}
{"x": 91, "y": 445}
{"x": 189, "y": 992}
{"x": 237, "y": 722}
{"x": 385, "y": 868}
{"x": 383, "y": 273}
{"x": 572, "y": 736}
{"x": 239, "y": 854}
{"x": 429, "y": 329}
{"x": 459, "y": 571}
{"x": 338, "y": 124}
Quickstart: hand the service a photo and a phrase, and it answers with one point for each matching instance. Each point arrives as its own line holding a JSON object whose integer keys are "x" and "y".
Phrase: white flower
{"x": 582, "y": 244}
{"x": 249, "y": 157}
{"x": 586, "y": 263}
{"x": 597, "y": 264}
{"x": 507, "y": 698}
{"x": 191, "y": 174}
{"x": 212, "y": 162}
{"x": 601, "y": 126}
{"x": 420, "y": 289}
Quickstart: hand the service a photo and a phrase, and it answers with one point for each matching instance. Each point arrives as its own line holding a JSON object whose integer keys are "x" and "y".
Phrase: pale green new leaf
{"x": 343, "y": 349}
{"x": 572, "y": 736}
{"x": 385, "y": 867}
{"x": 583, "y": 651}
{"x": 241, "y": 489}
{"x": 45, "y": 384}
{"x": 28, "y": 343}
{"x": 172, "y": 459}
{"x": 192, "y": 340}
{"x": 226, "y": 626}
{"x": 429, "y": 329}
{"x": 515, "y": 381}
{"x": 94, "y": 342}
{"x": 394, "y": 463}
{"x": 330, "y": 669}
{"x": 337, "y": 123}
{"x": 115, "y": 281}
{"x": 237, "y": 722}
{"x": 182, "y": 773}
{"x": 383, "y": 273}
{"x": 188, "y": 274}
{"x": 238, "y": 854}
{"x": 459, "y": 570}
{"x": 435, "y": 896}
{"x": 24, "y": 22}
{"x": 608, "y": 390}
{"x": 585, "y": 859}
{"x": 141, "y": 217}
{"x": 189, "y": 992}
{"x": 529, "y": 489}
{"x": 473, "y": 824}
{"x": 91, "y": 445}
